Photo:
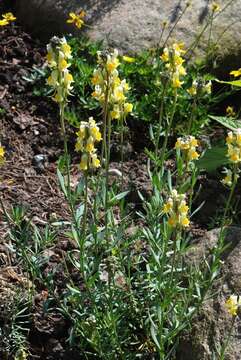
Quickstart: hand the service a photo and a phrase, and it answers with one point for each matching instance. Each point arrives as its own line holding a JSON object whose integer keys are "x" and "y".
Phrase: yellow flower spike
{"x": 236, "y": 73}
{"x": 9, "y": 17}
{"x": 3, "y": 22}
{"x": 128, "y": 59}
{"x": 232, "y": 304}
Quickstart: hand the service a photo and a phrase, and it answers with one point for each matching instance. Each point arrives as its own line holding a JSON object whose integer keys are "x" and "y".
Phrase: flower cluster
{"x": 229, "y": 177}
{"x": 233, "y": 142}
{"x": 87, "y": 135}
{"x": 174, "y": 63}
{"x": 177, "y": 210}
{"x": 2, "y": 153}
{"x": 199, "y": 87}
{"x": 108, "y": 86}
{"x": 59, "y": 53}
{"x": 76, "y": 19}
{"x": 232, "y": 304}
{"x": 7, "y": 19}
{"x": 188, "y": 145}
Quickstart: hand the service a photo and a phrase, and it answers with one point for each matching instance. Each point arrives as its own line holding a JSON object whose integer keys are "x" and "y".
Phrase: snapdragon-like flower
{"x": 228, "y": 179}
{"x": 109, "y": 87}
{"x": 230, "y": 111}
{"x": 76, "y": 18}
{"x": 87, "y": 136}
{"x": 232, "y": 304}
{"x": 236, "y": 73}
{"x": 233, "y": 142}
{"x": 177, "y": 210}
{"x": 60, "y": 79}
{"x": 7, "y": 19}
{"x": 215, "y": 7}
{"x": 172, "y": 57}
{"x": 188, "y": 146}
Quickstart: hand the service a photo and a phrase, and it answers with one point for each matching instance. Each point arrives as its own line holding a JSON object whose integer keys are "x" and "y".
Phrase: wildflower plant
{"x": 7, "y": 19}
{"x": 76, "y": 19}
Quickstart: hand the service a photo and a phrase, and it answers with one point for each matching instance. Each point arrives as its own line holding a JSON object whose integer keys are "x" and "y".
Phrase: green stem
{"x": 168, "y": 129}
{"x": 194, "y": 107}
{"x": 160, "y": 119}
{"x": 107, "y": 155}
{"x": 224, "y": 347}
{"x": 175, "y": 24}
{"x": 85, "y": 205}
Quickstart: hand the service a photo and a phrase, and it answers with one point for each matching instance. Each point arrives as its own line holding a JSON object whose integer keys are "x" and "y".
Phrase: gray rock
{"x": 136, "y": 24}
{"x": 212, "y": 325}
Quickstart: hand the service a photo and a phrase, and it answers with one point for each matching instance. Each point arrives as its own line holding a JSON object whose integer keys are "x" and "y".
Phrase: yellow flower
{"x": 84, "y": 162}
{"x": 115, "y": 113}
{"x": 184, "y": 221}
{"x": 172, "y": 221}
{"x": 230, "y": 111}
{"x": 208, "y": 87}
{"x": 215, "y": 7}
{"x": 62, "y": 64}
{"x": 66, "y": 50}
{"x": 193, "y": 89}
{"x": 2, "y": 152}
{"x": 183, "y": 208}
{"x": 9, "y": 16}
{"x": 90, "y": 145}
{"x": 228, "y": 178}
{"x": 128, "y": 107}
{"x": 128, "y": 59}
{"x": 168, "y": 206}
{"x": 236, "y": 73}
{"x": 176, "y": 83}
{"x": 95, "y": 162}
{"x": 76, "y": 19}
{"x": 192, "y": 154}
{"x": 232, "y": 304}
{"x": 3, "y": 22}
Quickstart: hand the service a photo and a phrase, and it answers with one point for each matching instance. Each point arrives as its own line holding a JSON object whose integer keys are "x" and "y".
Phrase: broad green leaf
{"x": 227, "y": 122}
{"x": 233, "y": 83}
{"x": 118, "y": 197}
{"x": 213, "y": 158}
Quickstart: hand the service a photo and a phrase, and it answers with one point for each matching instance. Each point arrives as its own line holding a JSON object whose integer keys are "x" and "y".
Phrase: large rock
{"x": 136, "y": 24}
{"x": 213, "y": 323}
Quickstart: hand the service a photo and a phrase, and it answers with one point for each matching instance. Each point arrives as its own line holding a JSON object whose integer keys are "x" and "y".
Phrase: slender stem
{"x": 168, "y": 129}
{"x": 122, "y": 150}
{"x": 66, "y": 154}
{"x": 107, "y": 155}
{"x": 175, "y": 24}
{"x": 160, "y": 119}
{"x": 191, "y": 118}
{"x": 224, "y": 347}
{"x": 210, "y": 32}
{"x": 85, "y": 205}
